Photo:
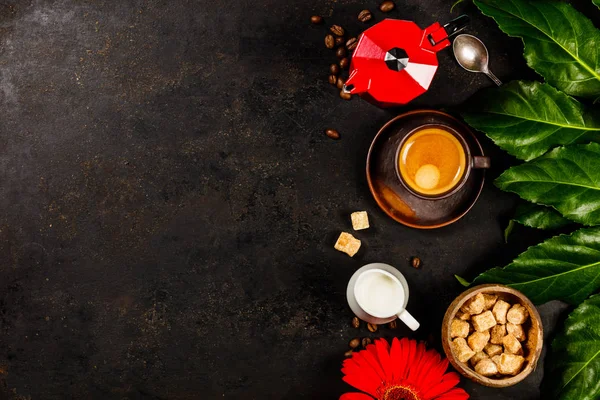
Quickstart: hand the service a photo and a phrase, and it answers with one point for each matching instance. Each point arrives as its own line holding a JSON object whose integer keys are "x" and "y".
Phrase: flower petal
{"x": 371, "y": 356}
{"x": 454, "y": 394}
{"x": 396, "y": 359}
{"x": 362, "y": 383}
{"x": 383, "y": 356}
{"x": 355, "y": 396}
{"x": 434, "y": 391}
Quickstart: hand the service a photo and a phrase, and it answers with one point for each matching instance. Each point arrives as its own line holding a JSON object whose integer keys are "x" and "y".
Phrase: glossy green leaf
{"x": 540, "y": 217}
{"x": 597, "y": 3}
{"x": 565, "y": 267}
{"x": 561, "y": 44}
{"x": 536, "y": 216}
{"x": 567, "y": 178}
{"x": 529, "y": 118}
{"x": 574, "y": 360}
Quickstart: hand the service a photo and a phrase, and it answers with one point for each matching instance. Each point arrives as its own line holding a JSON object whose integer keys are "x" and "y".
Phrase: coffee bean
{"x": 340, "y": 82}
{"x": 345, "y": 95}
{"x": 333, "y": 79}
{"x": 416, "y": 262}
{"x": 344, "y": 63}
{"x": 341, "y": 52}
{"x": 372, "y": 327}
{"x": 351, "y": 43}
{"x": 316, "y": 19}
{"x": 329, "y": 41}
{"x": 387, "y": 6}
{"x": 334, "y": 69}
{"x": 355, "y": 322}
{"x": 393, "y": 324}
{"x": 348, "y": 353}
{"x": 354, "y": 343}
{"x": 332, "y": 134}
{"x": 365, "y": 15}
{"x": 366, "y": 341}
{"x": 339, "y": 40}
{"x": 337, "y": 30}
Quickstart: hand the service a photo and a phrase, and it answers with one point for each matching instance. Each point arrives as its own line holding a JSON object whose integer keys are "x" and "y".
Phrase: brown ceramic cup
{"x": 472, "y": 162}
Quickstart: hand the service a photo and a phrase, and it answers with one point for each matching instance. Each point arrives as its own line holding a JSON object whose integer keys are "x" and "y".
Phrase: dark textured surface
{"x": 170, "y": 201}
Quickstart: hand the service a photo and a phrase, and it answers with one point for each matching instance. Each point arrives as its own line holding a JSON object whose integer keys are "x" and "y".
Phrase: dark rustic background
{"x": 170, "y": 202}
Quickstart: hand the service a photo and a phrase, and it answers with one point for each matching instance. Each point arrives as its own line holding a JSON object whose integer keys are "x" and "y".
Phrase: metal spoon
{"x": 472, "y": 55}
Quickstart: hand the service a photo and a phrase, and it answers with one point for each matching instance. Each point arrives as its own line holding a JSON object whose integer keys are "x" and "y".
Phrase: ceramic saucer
{"x": 359, "y": 312}
{"x": 394, "y": 199}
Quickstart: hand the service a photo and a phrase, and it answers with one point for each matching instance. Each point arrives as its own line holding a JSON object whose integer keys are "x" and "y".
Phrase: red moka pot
{"x": 395, "y": 60}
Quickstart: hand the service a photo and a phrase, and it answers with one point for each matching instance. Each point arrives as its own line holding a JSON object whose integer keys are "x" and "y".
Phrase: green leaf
{"x": 561, "y": 44}
{"x": 574, "y": 361}
{"x": 462, "y": 281}
{"x": 508, "y": 230}
{"x": 596, "y": 2}
{"x": 540, "y": 217}
{"x": 567, "y": 178}
{"x": 565, "y": 267}
{"x": 529, "y": 118}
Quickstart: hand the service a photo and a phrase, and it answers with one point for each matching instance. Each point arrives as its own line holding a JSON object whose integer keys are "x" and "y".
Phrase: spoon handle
{"x": 493, "y": 77}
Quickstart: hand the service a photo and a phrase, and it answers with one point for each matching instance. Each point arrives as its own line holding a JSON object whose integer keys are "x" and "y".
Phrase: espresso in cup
{"x": 434, "y": 161}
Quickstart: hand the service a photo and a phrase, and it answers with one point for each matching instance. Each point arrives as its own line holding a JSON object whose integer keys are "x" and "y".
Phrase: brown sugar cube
{"x": 517, "y": 314}
{"x": 463, "y": 315}
{"x": 490, "y": 300}
{"x": 517, "y": 331}
{"x": 474, "y": 305}
{"x": 478, "y": 357}
{"x": 492, "y": 349}
{"x": 459, "y": 328}
{"x": 486, "y": 367}
{"x": 478, "y": 340}
{"x": 509, "y": 364}
{"x": 512, "y": 345}
{"x": 499, "y": 310}
{"x": 498, "y": 333}
{"x": 348, "y": 244}
{"x": 462, "y": 350}
{"x": 360, "y": 220}
{"x": 496, "y": 359}
{"x": 483, "y": 321}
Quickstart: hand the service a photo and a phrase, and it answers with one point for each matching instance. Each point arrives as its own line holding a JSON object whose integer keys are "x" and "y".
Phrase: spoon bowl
{"x": 472, "y": 55}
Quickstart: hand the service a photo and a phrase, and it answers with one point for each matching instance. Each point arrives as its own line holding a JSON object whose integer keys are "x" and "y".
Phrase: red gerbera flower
{"x": 406, "y": 370}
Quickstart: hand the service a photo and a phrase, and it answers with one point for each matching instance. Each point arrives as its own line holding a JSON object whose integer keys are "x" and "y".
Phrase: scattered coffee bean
{"x": 339, "y": 40}
{"x": 355, "y": 322}
{"x": 365, "y": 15}
{"x": 416, "y": 262}
{"x": 333, "y": 79}
{"x": 387, "y": 6}
{"x": 393, "y": 324}
{"x": 366, "y": 341}
{"x": 340, "y": 82}
{"x": 344, "y": 63}
{"x": 332, "y": 134}
{"x": 338, "y": 30}
{"x": 345, "y": 95}
{"x": 351, "y": 44}
{"x": 354, "y": 343}
{"x": 348, "y": 353}
{"x": 329, "y": 41}
{"x": 316, "y": 19}
{"x": 334, "y": 69}
{"x": 341, "y": 52}
{"x": 372, "y": 327}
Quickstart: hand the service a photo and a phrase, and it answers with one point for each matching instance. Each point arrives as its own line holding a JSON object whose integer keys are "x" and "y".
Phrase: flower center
{"x": 397, "y": 392}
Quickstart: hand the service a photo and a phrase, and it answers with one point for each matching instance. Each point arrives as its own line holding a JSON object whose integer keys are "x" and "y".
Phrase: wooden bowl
{"x": 532, "y": 348}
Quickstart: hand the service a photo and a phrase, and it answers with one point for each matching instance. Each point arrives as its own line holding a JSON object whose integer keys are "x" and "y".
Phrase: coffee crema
{"x": 432, "y": 161}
